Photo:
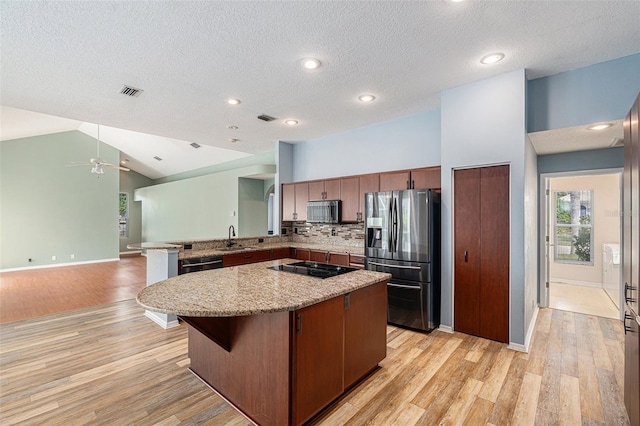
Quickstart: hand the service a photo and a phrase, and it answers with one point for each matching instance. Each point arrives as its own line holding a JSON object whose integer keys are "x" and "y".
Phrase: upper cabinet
{"x": 294, "y": 201}
{"x": 352, "y": 190}
{"x": 428, "y": 177}
{"x": 324, "y": 190}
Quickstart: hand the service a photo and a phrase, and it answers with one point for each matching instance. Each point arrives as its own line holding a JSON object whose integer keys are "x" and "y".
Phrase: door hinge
{"x": 546, "y": 191}
{"x": 547, "y": 284}
{"x": 546, "y": 238}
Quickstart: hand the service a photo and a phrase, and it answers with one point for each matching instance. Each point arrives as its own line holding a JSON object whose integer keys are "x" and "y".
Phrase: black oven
{"x": 197, "y": 264}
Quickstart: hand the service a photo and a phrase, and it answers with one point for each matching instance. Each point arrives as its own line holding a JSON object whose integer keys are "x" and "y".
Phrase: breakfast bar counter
{"x": 277, "y": 345}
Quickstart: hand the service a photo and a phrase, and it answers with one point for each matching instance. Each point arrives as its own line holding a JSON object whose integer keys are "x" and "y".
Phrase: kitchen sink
{"x": 235, "y": 248}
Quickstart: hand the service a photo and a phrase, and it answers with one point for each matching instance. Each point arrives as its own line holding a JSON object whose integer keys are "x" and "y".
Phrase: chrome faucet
{"x": 231, "y": 229}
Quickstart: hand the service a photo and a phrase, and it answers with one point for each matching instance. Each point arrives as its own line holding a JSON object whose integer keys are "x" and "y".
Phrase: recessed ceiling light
{"x": 233, "y": 101}
{"x": 492, "y": 58}
{"x": 599, "y": 126}
{"x": 291, "y": 122}
{"x": 234, "y": 140}
{"x": 366, "y": 98}
{"x": 311, "y": 63}
{"x": 232, "y": 127}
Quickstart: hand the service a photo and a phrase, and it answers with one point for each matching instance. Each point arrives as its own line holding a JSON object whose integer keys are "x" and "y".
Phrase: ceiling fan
{"x": 97, "y": 163}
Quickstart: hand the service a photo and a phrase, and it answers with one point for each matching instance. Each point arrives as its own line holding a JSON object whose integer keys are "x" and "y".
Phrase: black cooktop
{"x": 313, "y": 269}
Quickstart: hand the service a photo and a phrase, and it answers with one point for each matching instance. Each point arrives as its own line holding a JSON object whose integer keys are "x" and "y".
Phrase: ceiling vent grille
{"x": 265, "y": 117}
{"x": 130, "y": 91}
{"x": 158, "y": 158}
{"x": 195, "y": 145}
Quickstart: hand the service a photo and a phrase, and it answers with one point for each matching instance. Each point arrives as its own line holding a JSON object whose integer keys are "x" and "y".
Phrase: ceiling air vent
{"x": 616, "y": 142}
{"x": 130, "y": 91}
{"x": 158, "y": 158}
{"x": 195, "y": 145}
{"x": 265, "y": 117}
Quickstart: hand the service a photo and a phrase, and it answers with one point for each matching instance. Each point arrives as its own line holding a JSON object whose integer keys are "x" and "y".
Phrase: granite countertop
{"x": 248, "y": 290}
{"x": 153, "y": 246}
{"x": 188, "y": 254}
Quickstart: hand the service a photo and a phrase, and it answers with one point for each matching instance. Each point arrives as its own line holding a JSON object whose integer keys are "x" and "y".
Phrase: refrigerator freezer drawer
{"x": 413, "y": 306}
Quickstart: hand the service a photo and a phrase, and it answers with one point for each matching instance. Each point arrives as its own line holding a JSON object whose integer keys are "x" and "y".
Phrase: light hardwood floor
{"x": 111, "y": 365}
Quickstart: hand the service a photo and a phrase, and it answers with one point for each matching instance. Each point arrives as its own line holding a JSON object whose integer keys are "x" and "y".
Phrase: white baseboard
{"x": 163, "y": 320}
{"x": 446, "y": 329}
{"x": 574, "y": 282}
{"x": 56, "y": 265}
{"x": 517, "y": 347}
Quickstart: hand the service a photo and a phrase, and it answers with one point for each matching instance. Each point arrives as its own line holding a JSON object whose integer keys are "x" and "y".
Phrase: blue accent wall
{"x": 595, "y": 159}
{"x": 599, "y": 92}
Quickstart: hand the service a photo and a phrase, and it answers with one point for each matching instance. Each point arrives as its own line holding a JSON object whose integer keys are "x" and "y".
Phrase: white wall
{"x": 606, "y": 225}
{"x": 530, "y": 237}
{"x": 483, "y": 123}
{"x": 196, "y": 208}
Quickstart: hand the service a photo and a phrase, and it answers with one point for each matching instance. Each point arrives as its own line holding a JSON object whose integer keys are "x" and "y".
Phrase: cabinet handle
{"x": 413, "y": 184}
{"x": 299, "y": 324}
{"x": 629, "y": 289}
{"x": 626, "y": 317}
{"x": 408, "y": 187}
{"x": 466, "y": 256}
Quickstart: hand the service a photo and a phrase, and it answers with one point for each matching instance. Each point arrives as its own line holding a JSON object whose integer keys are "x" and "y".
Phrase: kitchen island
{"x": 279, "y": 346}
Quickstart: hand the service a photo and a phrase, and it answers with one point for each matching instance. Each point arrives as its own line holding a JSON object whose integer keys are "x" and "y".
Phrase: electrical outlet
{"x": 333, "y": 232}
{"x": 73, "y": 256}
{"x": 54, "y": 258}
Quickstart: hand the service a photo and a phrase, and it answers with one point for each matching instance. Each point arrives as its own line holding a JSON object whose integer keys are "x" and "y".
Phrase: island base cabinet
{"x": 283, "y": 368}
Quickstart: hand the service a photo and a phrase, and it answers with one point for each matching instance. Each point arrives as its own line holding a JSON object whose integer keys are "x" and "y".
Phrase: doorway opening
{"x": 581, "y": 232}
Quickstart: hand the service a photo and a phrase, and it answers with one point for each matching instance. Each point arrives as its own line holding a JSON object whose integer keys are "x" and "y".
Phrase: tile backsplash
{"x": 344, "y": 234}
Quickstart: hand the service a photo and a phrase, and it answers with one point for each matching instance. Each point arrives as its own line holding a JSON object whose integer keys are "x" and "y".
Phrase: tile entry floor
{"x": 582, "y": 299}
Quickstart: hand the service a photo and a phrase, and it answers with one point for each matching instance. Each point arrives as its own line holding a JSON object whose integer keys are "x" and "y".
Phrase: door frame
{"x": 544, "y": 225}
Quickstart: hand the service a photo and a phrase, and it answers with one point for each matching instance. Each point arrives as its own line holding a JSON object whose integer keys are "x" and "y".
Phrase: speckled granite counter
{"x": 248, "y": 290}
{"x": 188, "y": 254}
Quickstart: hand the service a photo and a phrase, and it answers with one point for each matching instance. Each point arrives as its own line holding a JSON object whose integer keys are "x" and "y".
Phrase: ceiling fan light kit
{"x": 97, "y": 164}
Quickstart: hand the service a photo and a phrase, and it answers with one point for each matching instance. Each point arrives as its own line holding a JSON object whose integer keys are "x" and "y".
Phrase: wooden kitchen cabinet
{"x": 352, "y": 190}
{"x": 236, "y": 259}
{"x": 281, "y": 253}
{"x": 318, "y": 367}
{"x": 302, "y": 197}
{"x": 328, "y": 189}
{"x": 393, "y": 181}
{"x": 356, "y": 261}
{"x": 365, "y": 331}
{"x": 288, "y": 201}
{"x": 426, "y": 178}
{"x": 341, "y": 259}
{"x": 318, "y": 256}
{"x": 302, "y": 254}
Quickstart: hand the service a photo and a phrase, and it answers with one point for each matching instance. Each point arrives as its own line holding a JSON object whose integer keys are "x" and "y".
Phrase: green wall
{"x": 129, "y": 182}
{"x": 197, "y": 208}
{"x": 252, "y": 208}
{"x": 48, "y": 209}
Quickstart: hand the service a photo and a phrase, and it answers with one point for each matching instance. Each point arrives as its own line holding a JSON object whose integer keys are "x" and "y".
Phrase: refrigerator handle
{"x": 390, "y": 227}
{"x": 395, "y": 224}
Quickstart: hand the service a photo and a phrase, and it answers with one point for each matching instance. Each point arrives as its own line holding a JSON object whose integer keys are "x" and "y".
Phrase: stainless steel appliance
{"x": 197, "y": 264}
{"x": 313, "y": 269}
{"x": 327, "y": 211}
{"x": 402, "y": 232}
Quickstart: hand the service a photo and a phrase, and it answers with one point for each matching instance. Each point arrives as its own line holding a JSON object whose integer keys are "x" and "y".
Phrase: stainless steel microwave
{"x": 326, "y": 211}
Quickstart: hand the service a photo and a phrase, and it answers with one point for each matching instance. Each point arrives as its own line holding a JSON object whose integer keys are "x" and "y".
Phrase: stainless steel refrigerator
{"x": 402, "y": 237}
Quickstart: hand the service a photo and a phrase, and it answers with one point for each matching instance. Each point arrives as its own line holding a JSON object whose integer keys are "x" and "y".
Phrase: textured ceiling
{"x": 578, "y": 138}
{"x": 69, "y": 59}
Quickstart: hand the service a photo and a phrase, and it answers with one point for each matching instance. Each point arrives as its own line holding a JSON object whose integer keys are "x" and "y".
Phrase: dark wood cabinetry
{"x": 302, "y": 254}
{"x": 392, "y": 181}
{"x": 318, "y": 256}
{"x": 341, "y": 259}
{"x": 318, "y": 368}
{"x": 236, "y": 259}
{"x": 356, "y": 261}
{"x": 428, "y": 177}
{"x": 352, "y": 190}
{"x": 324, "y": 190}
{"x": 481, "y": 252}
{"x": 281, "y": 253}
{"x": 631, "y": 262}
{"x": 294, "y": 201}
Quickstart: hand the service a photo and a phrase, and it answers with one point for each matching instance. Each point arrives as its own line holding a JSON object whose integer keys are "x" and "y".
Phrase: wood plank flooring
{"x": 111, "y": 365}
{"x": 36, "y": 292}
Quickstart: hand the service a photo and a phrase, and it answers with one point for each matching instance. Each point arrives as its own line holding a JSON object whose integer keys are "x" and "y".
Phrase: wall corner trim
{"x": 527, "y": 341}
{"x": 446, "y": 329}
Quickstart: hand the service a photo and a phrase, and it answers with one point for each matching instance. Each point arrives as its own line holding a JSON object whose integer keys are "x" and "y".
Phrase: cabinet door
{"x": 341, "y": 259}
{"x": 303, "y": 254}
{"x": 281, "y": 253}
{"x": 318, "y": 367}
{"x": 302, "y": 196}
{"x": 466, "y": 190}
{"x": 425, "y": 178}
{"x": 350, "y": 196}
{"x": 318, "y": 256}
{"x": 356, "y": 261}
{"x": 392, "y": 181}
{"x": 332, "y": 189}
{"x": 316, "y": 190}
{"x": 365, "y": 329}
{"x": 368, "y": 183}
{"x": 288, "y": 201}
{"x": 245, "y": 258}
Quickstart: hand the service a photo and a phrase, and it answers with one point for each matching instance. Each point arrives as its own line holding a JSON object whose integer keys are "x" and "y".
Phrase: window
{"x": 573, "y": 227}
{"x": 124, "y": 215}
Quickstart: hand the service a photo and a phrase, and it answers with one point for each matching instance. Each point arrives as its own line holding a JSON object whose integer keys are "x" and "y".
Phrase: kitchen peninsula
{"x": 279, "y": 346}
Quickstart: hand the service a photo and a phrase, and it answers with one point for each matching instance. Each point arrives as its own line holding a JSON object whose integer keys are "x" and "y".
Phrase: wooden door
{"x": 425, "y": 178}
{"x": 302, "y": 196}
{"x": 364, "y": 331}
{"x": 318, "y": 366}
{"x": 332, "y": 189}
{"x": 494, "y": 253}
{"x": 316, "y": 190}
{"x": 392, "y": 181}
{"x": 481, "y": 252}
{"x": 466, "y": 187}
{"x": 288, "y": 201}
{"x": 350, "y": 196}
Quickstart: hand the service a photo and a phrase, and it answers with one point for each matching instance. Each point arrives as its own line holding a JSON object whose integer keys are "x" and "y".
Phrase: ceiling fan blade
{"x": 124, "y": 169}
{"x": 75, "y": 163}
